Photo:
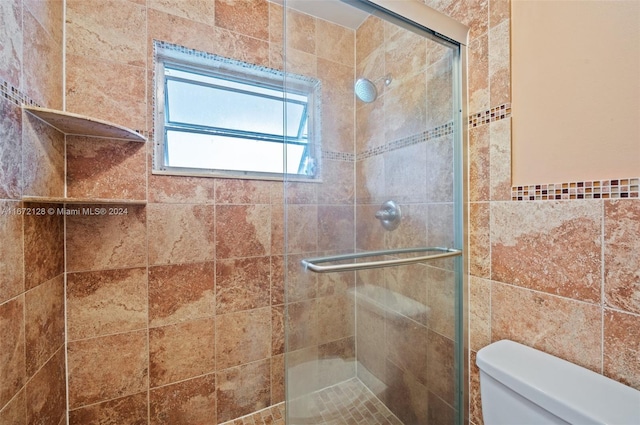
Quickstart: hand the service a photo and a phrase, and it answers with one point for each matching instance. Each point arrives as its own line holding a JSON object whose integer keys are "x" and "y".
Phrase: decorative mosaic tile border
{"x": 338, "y": 156}
{"x": 494, "y": 114}
{"x": 425, "y": 136}
{"x": 15, "y": 96}
{"x": 597, "y": 189}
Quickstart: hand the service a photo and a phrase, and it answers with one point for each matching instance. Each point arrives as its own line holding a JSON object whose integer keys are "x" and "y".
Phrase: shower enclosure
{"x": 374, "y": 270}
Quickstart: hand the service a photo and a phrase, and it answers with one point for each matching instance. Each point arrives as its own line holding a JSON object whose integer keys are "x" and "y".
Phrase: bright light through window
{"x": 220, "y": 116}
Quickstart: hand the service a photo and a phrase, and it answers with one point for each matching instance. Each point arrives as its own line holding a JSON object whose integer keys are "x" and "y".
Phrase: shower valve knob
{"x": 389, "y": 215}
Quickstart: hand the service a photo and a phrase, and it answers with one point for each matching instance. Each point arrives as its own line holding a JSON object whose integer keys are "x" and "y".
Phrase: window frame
{"x": 216, "y": 66}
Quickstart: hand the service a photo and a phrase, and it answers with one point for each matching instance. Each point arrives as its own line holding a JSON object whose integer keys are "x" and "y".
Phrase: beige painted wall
{"x": 575, "y": 90}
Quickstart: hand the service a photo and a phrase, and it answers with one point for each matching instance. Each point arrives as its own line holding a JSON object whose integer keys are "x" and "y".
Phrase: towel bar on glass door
{"x": 312, "y": 263}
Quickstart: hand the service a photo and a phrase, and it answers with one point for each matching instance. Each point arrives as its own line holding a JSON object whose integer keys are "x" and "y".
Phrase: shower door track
{"x": 312, "y": 263}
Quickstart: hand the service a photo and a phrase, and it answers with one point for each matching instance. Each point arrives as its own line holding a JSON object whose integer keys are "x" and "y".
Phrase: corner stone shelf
{"x": 80, "y": 125}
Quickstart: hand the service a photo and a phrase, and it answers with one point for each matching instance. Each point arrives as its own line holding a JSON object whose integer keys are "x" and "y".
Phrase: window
{"x": 223, "y": 117}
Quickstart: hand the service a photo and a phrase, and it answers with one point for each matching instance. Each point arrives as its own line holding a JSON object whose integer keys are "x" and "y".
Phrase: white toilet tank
{"x": 520, "y": 385}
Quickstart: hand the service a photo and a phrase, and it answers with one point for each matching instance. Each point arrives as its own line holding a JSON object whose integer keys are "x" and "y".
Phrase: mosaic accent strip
{"x": 15, "y": 96}
{"x": 597, "y": 189}
{"x": 494, "y": 114}
{"x": 338, "y": 156}
{"x": 425, "y": 136}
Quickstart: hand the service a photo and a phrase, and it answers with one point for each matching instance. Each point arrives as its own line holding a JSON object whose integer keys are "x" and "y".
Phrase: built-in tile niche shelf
{"x": 80, "y": 125}
{"x": 72, "y": 124}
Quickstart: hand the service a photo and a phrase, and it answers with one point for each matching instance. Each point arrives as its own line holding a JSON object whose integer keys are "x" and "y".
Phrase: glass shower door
{"x": 379, "y": 334}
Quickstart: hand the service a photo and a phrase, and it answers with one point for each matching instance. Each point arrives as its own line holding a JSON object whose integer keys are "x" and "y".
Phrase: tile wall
{"x": 32, "y": 330}
{"x": 404, "y": 152}
{"x": 558, "y": 275}
{"x": 178, "y": 306}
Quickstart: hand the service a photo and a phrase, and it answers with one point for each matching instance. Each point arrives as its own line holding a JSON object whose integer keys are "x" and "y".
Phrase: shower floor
{"x": 347, "y": 403}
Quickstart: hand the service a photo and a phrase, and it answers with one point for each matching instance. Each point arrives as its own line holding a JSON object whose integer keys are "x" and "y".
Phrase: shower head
{"x": 366, "y": 89}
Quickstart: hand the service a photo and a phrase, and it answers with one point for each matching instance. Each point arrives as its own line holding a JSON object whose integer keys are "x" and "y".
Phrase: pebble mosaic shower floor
{"x": 348, "y": 403}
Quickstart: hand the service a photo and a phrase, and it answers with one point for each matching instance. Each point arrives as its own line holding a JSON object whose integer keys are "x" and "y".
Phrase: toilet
{"x": 520, "y": 385}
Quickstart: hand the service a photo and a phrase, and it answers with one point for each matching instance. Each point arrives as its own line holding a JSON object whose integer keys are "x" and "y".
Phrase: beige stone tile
{"x": 187, "y": 402}
{"x": 276, "y": 23}
{"x": 180, "y": 233}
{"x": 199, "y": 10}
{"x": 408, "y": 291}
{"x": 277, "y": 330}
{"x": 405, "y": 396}
{"x": 241, "y": 47}
{"x": 553, "y": 247}
{"x": 475, "y": 402}
{"x": 15, "y": 411}
{"x": 106, "y": 302}
{"x": 500, "y": 159}
{"x": 337, "y": 183}
{"x": 108, "y": 367}
{"x": 44, "y": 322}
{"x": 243, "y": 337}
{"x": 43, "y": 244}
{"x": 479, "y": 239}
{"x": 439, "y": 99}
{"x": 369, "y": 36}
{"x": 42, "y": 158}
{"x": 277, "y": 379}
{"x": 405, "y": 108}
{"x": 130, "y": 409}
{"x": 242, "y": 284}
{"x": 301, "y": 324}
{"x": 115, "y": 241}
{"x": 12, "y": 254}
{"x": 337, "y": 106}
{"x": 479, "y": 312}
{"x": 621, "y": 347}
{"x": 478, "y": 74}
{"x": 300, "y": 31}
{"x": 442, "y": 298}
{"x": 406, "y": 346}
{"x": 335, "y": 228}
{"x": 242, "y": 390}
{"x": 49, "y": 14}
{"x": 181, "y": 292}
{"x": 474, "y": 14}
{"x": 370, "y": 338}
{"x": 479, "y": 164}
{"x": 404, "y": 170}
{"x": 107, "y": 169}
{"x": 112, "y": 30}
{"x": 621, "y": 262}
{"x": 12, "y": 349}
{"x": 370, "y": 180}
{"x": 369, "y": 125}
{"x": 304, "y": 218}
{"x": 559, "y": 326}
{"x": 181, "y": 189}
{"x": 500, "y": 63}
{"x": 181, "y": 351}
{"x": 337, "y": 361}
{"x": 11, "y": 40}
{"x": 242, "y": 230}
{"x": 499, "y": 11}
{"x": 405, "y": 55}
{"x": 177, "y": 29}
{"x": 335, "y": 43}
{"x": 10, "y": 151}
{"x": 46, "y": 392}
{"x": 235, "y": 191}
{"x": 42, "y": 55}
{"x": 336, "y": 317}
{"x": 412, "y": 231}
{"x": 249, "y": 17}
{"x": 107, "y": 90}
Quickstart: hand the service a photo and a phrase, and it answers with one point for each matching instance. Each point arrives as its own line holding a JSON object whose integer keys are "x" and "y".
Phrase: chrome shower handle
{"x": 389, "y": 215}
